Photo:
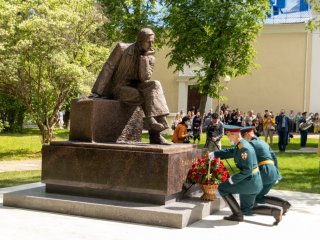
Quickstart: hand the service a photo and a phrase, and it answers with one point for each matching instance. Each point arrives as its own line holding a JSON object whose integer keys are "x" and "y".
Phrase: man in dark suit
{"x": 282, "y": 122}
{"x": 303, "y": 132}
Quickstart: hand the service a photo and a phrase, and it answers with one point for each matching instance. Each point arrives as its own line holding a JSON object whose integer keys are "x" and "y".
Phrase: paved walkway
{"x": 7, "y": 166}
{"x": 301, "y": 221}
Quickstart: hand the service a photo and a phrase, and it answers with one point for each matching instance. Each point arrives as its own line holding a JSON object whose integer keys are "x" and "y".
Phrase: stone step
{"x": 175, "y": 215}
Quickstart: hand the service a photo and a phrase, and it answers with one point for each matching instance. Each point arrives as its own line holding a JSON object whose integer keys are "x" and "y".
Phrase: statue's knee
{"x": 154, "y": 84}
{"x": 130, "y": 95}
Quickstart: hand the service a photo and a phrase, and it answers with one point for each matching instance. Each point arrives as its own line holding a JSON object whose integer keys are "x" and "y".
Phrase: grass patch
{"x": 294, "y": 143}
{"x": 25, "y": 145}
{"x": 9, "y": 179}
{"x": 300, "y": 172}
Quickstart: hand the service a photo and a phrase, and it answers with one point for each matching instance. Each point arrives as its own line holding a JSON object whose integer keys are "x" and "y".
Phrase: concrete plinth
{"x": 141, "y": 172}
{"x": 175, "y": 215}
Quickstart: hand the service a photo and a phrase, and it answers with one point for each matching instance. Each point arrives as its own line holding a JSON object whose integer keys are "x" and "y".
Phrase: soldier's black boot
{"x": 270, "y": 211}
{"x": 235, "y": 209}
{"x": 278, "y": 202}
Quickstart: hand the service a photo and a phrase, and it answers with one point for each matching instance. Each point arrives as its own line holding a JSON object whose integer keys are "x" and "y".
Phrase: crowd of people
{"x": 266, "y": 124}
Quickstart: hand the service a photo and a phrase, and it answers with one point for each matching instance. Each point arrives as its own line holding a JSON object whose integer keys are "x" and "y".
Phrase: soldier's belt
{"x": 255, "y": 170}
{"x": 266, "y": 162}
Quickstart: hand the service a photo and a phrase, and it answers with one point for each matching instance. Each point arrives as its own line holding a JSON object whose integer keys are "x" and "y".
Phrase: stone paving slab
{"x": 302, "y": 221}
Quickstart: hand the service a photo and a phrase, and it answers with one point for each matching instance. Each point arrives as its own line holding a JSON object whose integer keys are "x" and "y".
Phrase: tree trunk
{"x": 20, "y": 118}
{"x": 42, "y": 131}
{"x": 66, "y": 119}
{"x": 203, "y": 102}
{"x": 46, "y": 132}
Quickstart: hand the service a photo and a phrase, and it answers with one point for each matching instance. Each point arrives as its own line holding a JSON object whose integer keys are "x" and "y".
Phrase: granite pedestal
{"x": 131, "y": 172}
{"x": 103, "y": 121}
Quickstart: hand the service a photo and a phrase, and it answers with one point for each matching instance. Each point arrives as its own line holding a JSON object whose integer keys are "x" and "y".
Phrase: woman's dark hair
{"x": 185, "y": 118}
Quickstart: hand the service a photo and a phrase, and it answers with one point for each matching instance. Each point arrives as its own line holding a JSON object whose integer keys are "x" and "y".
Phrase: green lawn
{"x": 25, "y": 146}
{"x": 8, "y": 179}
{"x": 300, "y": 172}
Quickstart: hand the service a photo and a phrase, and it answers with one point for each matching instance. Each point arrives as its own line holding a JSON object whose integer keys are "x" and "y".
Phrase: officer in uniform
{"x": 247, "y": 183}
{"x": 214, "y": 132}
{"x": 303, "y": 132}
{"x": 268, "y": 166}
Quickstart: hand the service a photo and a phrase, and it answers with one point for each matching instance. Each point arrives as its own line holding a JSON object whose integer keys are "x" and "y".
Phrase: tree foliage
{"x": 3, "y": 125}
{"x": 126, "y": 17}
{"x": 12, "y": 112}
{"x": 218, "y": 33}
{"x": 48, "y": 49}
{"x": 314, "y": 23}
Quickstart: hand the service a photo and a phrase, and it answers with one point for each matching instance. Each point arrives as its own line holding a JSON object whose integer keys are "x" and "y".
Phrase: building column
{"x": 183, "y": 95}
{"x": 315, "y": 73}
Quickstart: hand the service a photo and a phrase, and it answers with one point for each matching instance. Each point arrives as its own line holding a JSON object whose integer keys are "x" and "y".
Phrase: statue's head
{"x": 145, "y": 39}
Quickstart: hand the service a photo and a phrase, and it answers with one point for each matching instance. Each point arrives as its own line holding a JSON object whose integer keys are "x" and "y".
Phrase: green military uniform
{"x": 268, "y": 166}
{"x": 247, "y": 183}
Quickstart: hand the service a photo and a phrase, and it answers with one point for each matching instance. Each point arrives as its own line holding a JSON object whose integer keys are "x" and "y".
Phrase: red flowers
{"x": 202, "y": 174}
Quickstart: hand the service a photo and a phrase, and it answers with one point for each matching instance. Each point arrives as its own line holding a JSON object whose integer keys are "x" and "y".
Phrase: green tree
{"x": 48, "y": 49}
{"x": 3, "y": 125}
{"x": 218, "y": 33}
{"x": 314, "y": 23}
{"x": 12, "y": 112}
{"x": 126, "y": 17}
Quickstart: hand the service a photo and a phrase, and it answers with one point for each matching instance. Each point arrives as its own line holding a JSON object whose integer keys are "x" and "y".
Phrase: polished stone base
{"x": 175, "y": 215}
{"x": 103, "y": 120}
{"x": 131, "y": 172}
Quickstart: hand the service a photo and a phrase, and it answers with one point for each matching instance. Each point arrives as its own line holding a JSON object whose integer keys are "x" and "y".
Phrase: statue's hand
{"x": 148, "y": 53}
{"x": 146, "y": 67}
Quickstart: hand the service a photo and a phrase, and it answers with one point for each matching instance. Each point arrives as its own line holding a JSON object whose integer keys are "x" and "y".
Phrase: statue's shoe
{"x": 159, "y": 140}
{"x": 157, "y": 127}
{"x": 94, "y": 95}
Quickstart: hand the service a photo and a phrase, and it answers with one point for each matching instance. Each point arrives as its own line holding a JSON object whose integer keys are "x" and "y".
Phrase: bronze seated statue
{"x": 126, "y": 77}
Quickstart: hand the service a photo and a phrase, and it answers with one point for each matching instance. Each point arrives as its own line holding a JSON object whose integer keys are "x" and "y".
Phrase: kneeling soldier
{"x": 268, "y": 166}
{"x": 247, "y": 183}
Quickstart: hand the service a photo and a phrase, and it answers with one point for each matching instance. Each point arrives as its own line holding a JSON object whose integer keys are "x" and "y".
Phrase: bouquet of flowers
{"x": 208, "y": 172}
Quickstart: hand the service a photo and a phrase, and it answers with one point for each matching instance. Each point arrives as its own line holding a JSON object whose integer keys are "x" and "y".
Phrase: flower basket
{"x": 208, "y": 174}
{"x": 209, "y": 192}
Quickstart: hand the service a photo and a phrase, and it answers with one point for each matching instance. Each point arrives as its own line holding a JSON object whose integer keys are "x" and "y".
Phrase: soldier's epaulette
{"x": 240, "y": 145}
